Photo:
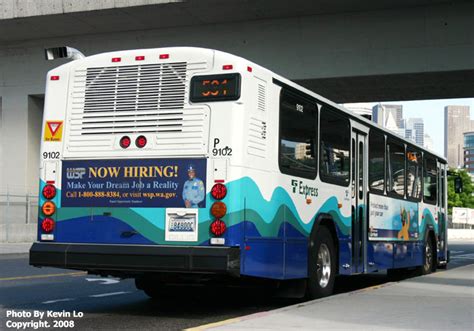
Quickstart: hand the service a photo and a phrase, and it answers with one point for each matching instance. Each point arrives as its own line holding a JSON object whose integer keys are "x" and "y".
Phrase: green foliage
{"x": 464, "y": 199}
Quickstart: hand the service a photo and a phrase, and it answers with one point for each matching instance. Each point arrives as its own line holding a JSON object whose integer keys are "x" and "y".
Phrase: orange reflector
{"x": 48, "y": 208}
{"x": 218, "y": 209}
{"x": 308, "y": 201}
{"x": 339, "y": 205}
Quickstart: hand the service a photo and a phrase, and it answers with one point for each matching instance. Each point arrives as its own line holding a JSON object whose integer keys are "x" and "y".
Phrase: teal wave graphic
{"x": 244, "y": 201}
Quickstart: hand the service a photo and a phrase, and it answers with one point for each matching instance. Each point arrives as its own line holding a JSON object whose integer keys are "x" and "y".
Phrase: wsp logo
{"x": 75, "y": 173}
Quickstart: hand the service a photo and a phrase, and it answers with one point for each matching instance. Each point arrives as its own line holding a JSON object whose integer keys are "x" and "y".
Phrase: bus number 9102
{"x": 51, "y": 155}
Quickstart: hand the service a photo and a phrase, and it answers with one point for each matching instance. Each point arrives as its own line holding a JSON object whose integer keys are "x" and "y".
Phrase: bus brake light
{"x": 219, "y": 191}
{"x": 218, "y": 227}
{"x": 49, "y": 191}
{"x": 47, "y": 225}
{"x": 140, "y": 142}
{"x": 125, "y": 142}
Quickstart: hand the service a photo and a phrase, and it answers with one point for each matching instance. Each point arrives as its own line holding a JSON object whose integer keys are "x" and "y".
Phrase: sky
{"x": 432, "y": 112}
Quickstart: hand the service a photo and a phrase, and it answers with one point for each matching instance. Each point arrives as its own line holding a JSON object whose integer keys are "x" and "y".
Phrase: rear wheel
{"x": 428, "y": 257}
{"x": 153, "y": 289}
{"x": 322, "y": 264}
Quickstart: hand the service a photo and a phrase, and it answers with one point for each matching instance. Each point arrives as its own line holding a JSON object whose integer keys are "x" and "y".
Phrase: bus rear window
{"x": 298, "y": 135}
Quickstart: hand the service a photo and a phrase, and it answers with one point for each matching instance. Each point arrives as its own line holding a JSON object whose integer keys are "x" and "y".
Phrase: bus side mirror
{"x": 458, "y": 184}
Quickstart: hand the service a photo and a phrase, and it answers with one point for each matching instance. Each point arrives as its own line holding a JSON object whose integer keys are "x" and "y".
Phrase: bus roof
{"x": 277, "y": 79}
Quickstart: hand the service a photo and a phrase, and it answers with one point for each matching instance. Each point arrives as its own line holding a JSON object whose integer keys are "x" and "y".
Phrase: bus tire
{"x": 153, "y": 290}
{"x": 429, "y": 256}
{"x": 321, "y": 264}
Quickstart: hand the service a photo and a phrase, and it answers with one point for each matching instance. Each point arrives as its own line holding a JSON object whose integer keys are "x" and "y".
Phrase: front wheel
{"x": 321, "y": 264}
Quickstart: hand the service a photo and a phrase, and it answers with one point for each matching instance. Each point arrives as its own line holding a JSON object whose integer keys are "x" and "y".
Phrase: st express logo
{"x": 300, "y": 188}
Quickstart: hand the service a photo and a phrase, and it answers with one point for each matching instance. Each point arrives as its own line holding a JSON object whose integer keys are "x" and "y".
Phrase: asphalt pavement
{"x": 110, "y": 304}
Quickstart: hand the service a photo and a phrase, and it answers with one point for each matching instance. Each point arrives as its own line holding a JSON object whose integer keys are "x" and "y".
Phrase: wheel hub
{"x": 323, "y": 266}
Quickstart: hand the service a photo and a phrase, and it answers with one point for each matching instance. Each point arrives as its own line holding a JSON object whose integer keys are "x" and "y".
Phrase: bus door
{"x": 442, "y": 212}
{"x": 359, "y": 196}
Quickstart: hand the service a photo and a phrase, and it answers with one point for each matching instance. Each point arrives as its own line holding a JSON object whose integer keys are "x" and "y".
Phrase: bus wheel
{"x": 152, "y": 289}
{"x": 322, "y": 264}
{"x": 428, "y": 257}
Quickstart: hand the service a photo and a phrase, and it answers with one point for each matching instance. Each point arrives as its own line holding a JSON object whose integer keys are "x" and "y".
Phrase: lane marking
{"x": 108, "y": 294}
{"x": 104, "y": 281}
{"x": 45, "y": 276}
{"x": 58, "y": 300}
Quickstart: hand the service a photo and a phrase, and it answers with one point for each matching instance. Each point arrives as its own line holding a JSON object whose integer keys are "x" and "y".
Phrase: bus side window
{"x": 376, "y": 161}
{"x": 334, "y": 147}
{"x": 298, "y": 135}
{"x": 429, "y": 180}
{"x": 396, "y": 168}
{"x": 414, "y": 162}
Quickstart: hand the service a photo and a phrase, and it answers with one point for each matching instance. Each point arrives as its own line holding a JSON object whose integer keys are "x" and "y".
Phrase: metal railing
{"x": 18, "y": 212}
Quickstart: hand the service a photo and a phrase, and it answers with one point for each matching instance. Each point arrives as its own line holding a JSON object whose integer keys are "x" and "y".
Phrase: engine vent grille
{"x": 129, "y": 99}
{"x": 150, "y": 99}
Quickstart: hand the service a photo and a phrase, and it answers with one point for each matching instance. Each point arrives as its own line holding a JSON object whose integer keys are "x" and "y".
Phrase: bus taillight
{"x": 49, "y": 191}
{"x": 219, "y": 191}
{"x": 125, "y": 142}
{"x": 47, "y": 225}
{"x": 140, "y": 142}
{"x": 48, "y": 208}
{"x": 218, "y": 227}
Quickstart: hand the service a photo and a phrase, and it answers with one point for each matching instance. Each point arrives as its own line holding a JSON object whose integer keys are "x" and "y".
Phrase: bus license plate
{"x": 181, "y": 224}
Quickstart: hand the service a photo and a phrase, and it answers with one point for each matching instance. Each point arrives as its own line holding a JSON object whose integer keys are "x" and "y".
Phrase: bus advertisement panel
{"x": 134, "y": 183}
{"x": 392, "y": 219}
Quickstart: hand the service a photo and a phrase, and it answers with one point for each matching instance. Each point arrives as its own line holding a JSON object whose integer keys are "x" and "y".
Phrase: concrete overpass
{"x": 348, "y": 51}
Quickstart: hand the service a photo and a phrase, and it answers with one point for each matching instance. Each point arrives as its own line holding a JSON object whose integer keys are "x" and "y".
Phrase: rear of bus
{"x": 132, "y": 180}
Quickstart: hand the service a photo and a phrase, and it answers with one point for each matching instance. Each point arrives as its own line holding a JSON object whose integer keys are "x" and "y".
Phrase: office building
{"x": 415, "y": 130}
{"x": 382, "y": 114}
{"x": 457, "y": 121}
{"x": 468, "y": 138}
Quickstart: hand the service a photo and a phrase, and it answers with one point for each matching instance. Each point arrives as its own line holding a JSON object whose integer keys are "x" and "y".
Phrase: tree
{"x": 464, "y": 199}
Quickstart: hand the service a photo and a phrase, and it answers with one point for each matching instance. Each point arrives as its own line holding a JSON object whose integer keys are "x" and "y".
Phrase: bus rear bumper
{"x": 136, "y": 259}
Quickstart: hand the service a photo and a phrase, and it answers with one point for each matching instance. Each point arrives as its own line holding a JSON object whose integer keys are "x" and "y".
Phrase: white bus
{"x": 190, "y": 163}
